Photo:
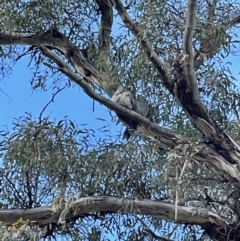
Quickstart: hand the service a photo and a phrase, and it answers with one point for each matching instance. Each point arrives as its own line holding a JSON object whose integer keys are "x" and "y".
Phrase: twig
{"x": 176, "y": 202}
{"x": 180, "y": 179}
{"x": 173, "y": 230}
{"x": 150, "y": 231}
{"x": 52, "y": 100}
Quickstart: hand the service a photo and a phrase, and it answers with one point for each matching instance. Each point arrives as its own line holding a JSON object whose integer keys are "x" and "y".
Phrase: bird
{"x": 126, "y": 99}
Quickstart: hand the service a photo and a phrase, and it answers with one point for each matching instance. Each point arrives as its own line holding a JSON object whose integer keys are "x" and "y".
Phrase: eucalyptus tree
{"x": 178, "y": 176}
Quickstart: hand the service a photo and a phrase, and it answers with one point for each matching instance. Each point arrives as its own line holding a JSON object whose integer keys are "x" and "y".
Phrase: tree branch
{"x": 105, "y": 7}
{"x": 58, "y": 41}
{"x": 45, "y": 215}
{"x": 233, "y": 22}
{"x": 148, "y": 229}
{"x": 50, "y": 101}
{"x": 104, "y": 63}
{"x": 187, "y": 45}
{"x": 188, "y": 96}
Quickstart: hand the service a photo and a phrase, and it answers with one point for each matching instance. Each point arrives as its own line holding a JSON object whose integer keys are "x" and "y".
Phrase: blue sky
{"x": 17, "y": 97}
{"x": 71, "y": 102}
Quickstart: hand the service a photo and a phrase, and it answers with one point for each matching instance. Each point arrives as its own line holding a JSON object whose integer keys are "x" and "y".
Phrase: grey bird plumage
{"x": 126, "y": 99}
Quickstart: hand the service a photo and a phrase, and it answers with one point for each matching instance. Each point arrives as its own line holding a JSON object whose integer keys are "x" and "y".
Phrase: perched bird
{"x": 126, "y": 99}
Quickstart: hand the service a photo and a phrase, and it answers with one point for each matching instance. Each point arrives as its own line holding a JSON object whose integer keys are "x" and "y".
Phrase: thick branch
{"x": 45, "y": 215}
{"x": 104, "y": 63}
{"x": 188, "y": 95}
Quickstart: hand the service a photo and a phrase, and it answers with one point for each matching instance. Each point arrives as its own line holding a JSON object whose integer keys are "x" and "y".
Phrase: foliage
{"x": 44, "y": 161}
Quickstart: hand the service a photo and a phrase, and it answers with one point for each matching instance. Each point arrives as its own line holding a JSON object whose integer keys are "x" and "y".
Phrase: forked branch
{"x": 187, "y": 94}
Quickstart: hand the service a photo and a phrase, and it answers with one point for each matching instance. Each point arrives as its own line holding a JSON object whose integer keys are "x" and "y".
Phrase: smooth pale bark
{"x": 44, "y": 215}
